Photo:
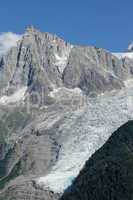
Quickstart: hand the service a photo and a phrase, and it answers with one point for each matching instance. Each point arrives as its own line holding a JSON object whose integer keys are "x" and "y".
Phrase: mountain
{"x": 59, "y": 103}
{"x": 42, "y": 60}
{"x": 108, "y": 174}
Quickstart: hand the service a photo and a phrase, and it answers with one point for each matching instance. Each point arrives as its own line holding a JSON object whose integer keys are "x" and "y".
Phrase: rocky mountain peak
{"x": 44, "y": 60}
{"x": 46, "y": 37}
{"x": 31, "y": 29}
{"x": 45, "y": 142}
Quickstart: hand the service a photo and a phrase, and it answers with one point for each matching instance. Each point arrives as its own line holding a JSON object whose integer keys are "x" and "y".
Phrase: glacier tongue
{"x": 88, "y": 130}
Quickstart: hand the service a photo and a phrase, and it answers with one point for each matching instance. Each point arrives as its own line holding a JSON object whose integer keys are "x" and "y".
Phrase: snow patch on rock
{"x": 62, "y": 58}
{"x": 14, "y": 98}
{"x": 128, "y": 83}
{"x": 61, "y": 62}
{"x": 62, "y": 90}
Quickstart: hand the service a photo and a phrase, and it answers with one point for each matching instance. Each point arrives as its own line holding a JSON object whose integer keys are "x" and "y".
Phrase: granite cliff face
{"x": 42, "y": 61}
{"x": 56, "y": 100}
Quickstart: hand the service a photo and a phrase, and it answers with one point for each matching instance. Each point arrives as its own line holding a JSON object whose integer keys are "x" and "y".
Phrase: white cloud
{"x": 7, "y": 41}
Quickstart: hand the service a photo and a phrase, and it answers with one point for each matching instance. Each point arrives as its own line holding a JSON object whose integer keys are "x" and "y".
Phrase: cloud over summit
{"x": 7, "y": 41}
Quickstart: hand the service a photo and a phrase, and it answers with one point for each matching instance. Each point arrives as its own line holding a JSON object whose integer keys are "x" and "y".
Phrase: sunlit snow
{"x": 128, "y": 83}
{"x": 16, "y": 97}
{"x": 61, "y": 60}
{"x": 57, "y": 91}
{"x": 124, "y": 55}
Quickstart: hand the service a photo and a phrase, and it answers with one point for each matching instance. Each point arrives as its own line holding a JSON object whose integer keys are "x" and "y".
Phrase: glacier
{"x": 89, "y": 128}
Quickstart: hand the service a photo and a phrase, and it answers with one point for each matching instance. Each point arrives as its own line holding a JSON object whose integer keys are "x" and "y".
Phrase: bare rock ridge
{"x": 36, "y": 62}
{"x": 56, "y": 100}
{"x": 42, "y": 60}
{"x": 108, "y": 174}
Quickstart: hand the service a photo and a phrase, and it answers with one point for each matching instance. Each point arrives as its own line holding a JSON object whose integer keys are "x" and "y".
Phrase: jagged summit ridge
{"x": 42, "y": 60}
{"x": 37, "y": 61}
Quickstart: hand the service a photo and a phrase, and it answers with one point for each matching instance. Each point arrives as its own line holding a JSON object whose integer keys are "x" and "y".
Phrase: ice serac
{"x": 108, "y": 174}
{"x": 82, "y": 95}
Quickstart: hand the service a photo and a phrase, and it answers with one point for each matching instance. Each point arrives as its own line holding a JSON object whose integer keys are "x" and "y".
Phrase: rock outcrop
{"x": 42, "y": 61}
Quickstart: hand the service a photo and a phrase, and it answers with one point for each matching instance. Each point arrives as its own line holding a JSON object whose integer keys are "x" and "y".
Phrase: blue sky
{"x": 103, "y": 23}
